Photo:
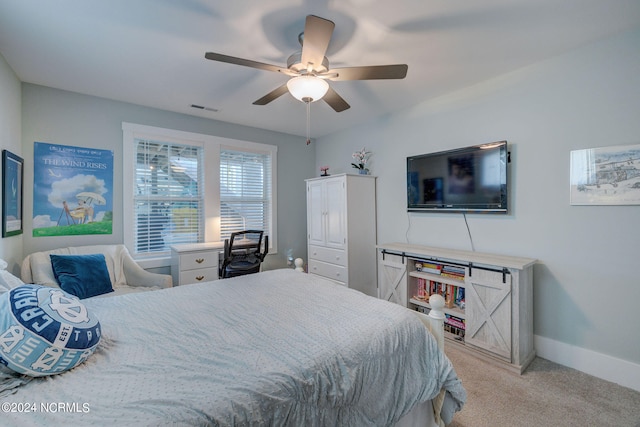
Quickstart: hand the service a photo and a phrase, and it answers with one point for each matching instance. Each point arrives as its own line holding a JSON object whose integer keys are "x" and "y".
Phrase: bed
{"x": 273, "y": 348}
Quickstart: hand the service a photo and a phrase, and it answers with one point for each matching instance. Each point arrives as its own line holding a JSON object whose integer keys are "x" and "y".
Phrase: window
{"x": 168, "y": 197}
{"x": 182, "y": 187}
{"x": 245, "y": 191}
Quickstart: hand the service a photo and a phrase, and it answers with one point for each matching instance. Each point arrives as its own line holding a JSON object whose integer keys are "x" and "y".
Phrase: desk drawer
{"x": 332, "y": 256}
{"x": 198, "y": 260}
{"x": 197, "y": 276}
{"x": 330, "y": 271}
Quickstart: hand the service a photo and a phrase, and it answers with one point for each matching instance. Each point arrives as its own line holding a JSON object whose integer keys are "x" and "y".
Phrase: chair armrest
{"x": 138, "y": 276}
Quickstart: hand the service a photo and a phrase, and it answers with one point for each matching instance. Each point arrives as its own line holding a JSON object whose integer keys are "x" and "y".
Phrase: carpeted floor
{"x": 547, "y": 394}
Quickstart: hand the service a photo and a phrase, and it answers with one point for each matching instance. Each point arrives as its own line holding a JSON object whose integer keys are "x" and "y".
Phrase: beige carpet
{"x": 547, "y": 394}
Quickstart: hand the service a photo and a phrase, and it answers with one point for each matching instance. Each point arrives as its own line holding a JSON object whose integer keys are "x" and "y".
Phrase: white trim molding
{"x": 212, "y": 145}
{"x": 603, "y": 366}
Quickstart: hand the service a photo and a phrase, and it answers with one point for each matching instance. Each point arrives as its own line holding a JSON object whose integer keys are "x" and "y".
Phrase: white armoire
{"x": 341, "y": 230}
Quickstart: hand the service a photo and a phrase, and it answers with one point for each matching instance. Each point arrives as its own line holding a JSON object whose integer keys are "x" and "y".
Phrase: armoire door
{"x": 316, "y": 213}
{"x": 336, "y": 210}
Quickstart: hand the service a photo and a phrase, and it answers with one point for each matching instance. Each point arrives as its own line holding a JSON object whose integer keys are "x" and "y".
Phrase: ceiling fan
{"x": 309, "y": 69}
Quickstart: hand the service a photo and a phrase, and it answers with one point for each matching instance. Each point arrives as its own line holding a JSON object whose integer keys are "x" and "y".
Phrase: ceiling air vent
{"x": 202, "y": 107}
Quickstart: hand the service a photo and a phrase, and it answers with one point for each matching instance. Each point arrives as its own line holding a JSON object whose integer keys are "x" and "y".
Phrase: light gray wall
{"x": 10, "y": 139}
{"x": 587, "y": 285}
{"x": 61, "y": 117}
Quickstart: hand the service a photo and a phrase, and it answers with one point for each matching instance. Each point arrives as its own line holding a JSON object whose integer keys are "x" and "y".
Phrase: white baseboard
{"x": 603, "y": 366}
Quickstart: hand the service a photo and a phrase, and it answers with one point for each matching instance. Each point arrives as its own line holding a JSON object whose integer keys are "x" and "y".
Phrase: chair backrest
{"x": 36, "y": 267}
{"x": 242, "y": 251}
{"x": 244, "y": 242}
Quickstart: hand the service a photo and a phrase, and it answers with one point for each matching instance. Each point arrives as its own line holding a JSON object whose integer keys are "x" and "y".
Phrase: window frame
{"x": 261, "y": 150}
{"x": 211, "y": 183}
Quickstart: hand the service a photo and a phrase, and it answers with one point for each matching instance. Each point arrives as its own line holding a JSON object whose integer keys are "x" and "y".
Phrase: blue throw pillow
{"x": 82, "y": 275}
{"x": 45, "y": 331}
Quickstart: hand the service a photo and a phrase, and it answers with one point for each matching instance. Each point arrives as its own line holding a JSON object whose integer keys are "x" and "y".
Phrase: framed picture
{"x": 12, "y": 175}
{"x": 605, "y": 176}
{"x": 75, "y": 190}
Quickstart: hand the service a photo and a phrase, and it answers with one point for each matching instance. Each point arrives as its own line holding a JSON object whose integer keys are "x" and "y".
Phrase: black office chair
{"x": 242, "y": 253}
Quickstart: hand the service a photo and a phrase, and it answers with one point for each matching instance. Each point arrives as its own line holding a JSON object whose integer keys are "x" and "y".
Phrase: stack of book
{"x": 454, "y": 325}
{"x": 453, "y": 295}
{"x": 422, "y": 290}
{"x": 452, "y": 272}
{"x": 431, "y": 267}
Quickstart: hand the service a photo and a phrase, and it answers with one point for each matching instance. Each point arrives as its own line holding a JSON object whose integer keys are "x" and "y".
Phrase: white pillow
{"x": 7, "y": 280}
{"x": 41, "y": 270}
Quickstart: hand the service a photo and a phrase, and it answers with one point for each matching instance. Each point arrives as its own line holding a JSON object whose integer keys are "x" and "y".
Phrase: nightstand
{"x": 195, "y": 262}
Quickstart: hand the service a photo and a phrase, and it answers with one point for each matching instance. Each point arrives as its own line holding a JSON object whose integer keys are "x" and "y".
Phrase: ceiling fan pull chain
{"x": 308, "y": 122}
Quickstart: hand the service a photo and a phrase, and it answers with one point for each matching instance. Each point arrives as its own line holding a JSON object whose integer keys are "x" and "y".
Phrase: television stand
{"x": 489, "y": 298}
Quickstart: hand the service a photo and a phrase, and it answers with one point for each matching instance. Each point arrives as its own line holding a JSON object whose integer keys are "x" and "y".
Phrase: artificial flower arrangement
{"x": 362, "y": 158}
{"x": 324, "y": 170}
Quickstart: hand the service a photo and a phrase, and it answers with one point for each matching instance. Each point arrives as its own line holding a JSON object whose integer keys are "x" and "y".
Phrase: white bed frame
{"x": 427, "y": 414}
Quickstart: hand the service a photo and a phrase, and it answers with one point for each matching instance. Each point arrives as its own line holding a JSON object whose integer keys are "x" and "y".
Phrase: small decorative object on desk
{"x": 324, "y": 170}
{"x": 362, "y": 158}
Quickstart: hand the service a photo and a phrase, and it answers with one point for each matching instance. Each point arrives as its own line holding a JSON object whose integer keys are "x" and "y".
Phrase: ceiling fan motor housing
{"x": 310, "y": 66}
{"x": 294, "y": 63}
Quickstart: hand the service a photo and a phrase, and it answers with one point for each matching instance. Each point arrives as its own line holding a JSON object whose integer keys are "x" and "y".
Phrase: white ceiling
{"x": 151, "y": 52}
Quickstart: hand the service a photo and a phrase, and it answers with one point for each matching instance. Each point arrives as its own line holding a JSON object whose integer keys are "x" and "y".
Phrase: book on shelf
{"x": 428, "y": 267}
{"x": 453, "y": 272}
{"x": 449, "y": 298}
{"x": 422, "y": 289}
{"x": 455, "y": 321}
{"x": 424, "y": 310}
{"x": 436, "y": 288}
{"x": 459, "y": 297}
{"x": 453, "y": 269}
{"x": 431, "y": 270}
{"x": 433, "y": 265}
{"x": 455, "y": 325}
{"x": 453, "y": 295}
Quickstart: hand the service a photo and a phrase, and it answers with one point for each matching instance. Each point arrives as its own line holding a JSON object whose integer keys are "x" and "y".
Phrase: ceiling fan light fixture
{"x": 305, "y": 88}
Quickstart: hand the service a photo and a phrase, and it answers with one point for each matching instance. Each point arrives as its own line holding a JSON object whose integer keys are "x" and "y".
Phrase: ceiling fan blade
{"x": 245, "y": 62}
{"x": 374, "y": 72}
{"x": 276, "y": 93}
{"x": 335, "y": 101}
{"x": 317, "y": 35}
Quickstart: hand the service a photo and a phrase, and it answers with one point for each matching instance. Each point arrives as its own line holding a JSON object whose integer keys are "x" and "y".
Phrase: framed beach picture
{"x": 12, "y": 174}
{"x": 606, "y": 176}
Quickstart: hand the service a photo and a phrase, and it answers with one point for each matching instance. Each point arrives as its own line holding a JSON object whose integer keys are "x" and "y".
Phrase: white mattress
{"x": 274, "y": 348}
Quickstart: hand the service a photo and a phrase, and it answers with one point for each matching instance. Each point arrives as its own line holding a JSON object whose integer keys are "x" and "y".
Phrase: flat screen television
{"x": 470, "y": 179}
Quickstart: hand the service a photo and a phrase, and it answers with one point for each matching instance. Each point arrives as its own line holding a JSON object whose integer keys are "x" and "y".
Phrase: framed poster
{"x": 12, "y": 174}
{"x": 73, "y": 190}
{"x": 605, "y": 176}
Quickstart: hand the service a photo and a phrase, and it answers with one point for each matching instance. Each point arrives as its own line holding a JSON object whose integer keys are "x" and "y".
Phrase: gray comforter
{"x": 275, "y": 348}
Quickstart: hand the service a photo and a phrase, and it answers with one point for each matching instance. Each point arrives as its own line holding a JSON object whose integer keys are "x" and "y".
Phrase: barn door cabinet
{"x": 341, "y": 230}
{"x": 489, "y": 297}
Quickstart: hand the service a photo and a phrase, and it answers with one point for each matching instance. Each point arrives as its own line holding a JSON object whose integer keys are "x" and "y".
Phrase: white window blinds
{"x": 168, "y": 198}
{"x": 245, "y": 191}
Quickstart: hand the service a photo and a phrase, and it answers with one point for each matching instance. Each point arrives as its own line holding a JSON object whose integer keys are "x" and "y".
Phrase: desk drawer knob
{"x": 200, "y": 260}
{"x": 199, "y": 278}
